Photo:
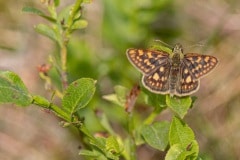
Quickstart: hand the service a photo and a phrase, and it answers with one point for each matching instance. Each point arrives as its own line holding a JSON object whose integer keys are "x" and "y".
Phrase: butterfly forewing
{"x": 158, "y": 81}
{"x": 199, "y": 65}
{"x": 187, "y": 83}
{"x": 147, "y": 61}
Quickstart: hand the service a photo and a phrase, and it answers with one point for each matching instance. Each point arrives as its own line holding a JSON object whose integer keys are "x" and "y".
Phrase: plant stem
{"x": 64, "y": 65}
{"x": 132, "y": 149}
{"x": 75, "y": 9}
{"x": 42, "y": 102}
{"x": 65, "y": 39}
{"x": 149, "y": 120}
{"x": 132, "y": 145}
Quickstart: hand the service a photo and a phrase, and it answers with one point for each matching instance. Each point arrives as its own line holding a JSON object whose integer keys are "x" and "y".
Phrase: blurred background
{"x": 206, "y": 26}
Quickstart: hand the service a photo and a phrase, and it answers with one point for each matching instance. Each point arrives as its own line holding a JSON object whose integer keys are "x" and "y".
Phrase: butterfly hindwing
{"x": 146, "y": 61}
{"x": 187, "y": 83}
{"x": 158, "y": 81}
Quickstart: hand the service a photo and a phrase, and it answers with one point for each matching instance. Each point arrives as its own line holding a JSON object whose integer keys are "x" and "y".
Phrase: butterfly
{"x": 173, "y": 73}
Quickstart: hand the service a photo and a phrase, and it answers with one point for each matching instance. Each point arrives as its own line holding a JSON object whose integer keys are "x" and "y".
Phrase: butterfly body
{"x": 175, "y": 63}
{"x": 175, "y": 73}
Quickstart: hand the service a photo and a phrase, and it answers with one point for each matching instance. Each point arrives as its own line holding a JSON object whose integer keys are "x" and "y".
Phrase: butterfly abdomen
{"x": 173, "y": 79}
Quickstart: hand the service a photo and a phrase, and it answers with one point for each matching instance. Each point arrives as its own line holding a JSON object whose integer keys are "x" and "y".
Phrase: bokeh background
{"x": 206, "y": 26}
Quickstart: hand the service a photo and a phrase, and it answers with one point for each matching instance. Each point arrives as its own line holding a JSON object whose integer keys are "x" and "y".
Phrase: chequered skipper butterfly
{"x": 175, "y": 74}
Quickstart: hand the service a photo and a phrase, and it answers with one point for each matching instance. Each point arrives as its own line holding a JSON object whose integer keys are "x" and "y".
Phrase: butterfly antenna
{"x": 164, "y": 43}
{"x": 196, "y": 45}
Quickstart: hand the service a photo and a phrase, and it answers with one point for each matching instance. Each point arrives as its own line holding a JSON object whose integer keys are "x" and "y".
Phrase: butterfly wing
{"x": 199, "y": 65}
{"x": 193, "y": 67}
{"x": 158, "y": 81}
{"x": 146, "y": 61}
{"x": 187, "y": 83}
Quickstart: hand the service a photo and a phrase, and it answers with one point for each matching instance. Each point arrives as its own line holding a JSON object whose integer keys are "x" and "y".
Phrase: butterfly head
{"x": 178, "y": 49}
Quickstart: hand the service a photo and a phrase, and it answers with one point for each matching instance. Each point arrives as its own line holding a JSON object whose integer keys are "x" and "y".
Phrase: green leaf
{"x": 159, "y": 45}
{"x": 92, "y": 155}
{"x": 156, "y": 135}
{"x": 156, "y": 100}
{"x": 32, "y": 10}
{"x": 86, "y": 132}
{"x": 101, "y": 144}
{"x": 88, "y": 153}
{"x": 74, "y": 13}
{"x": 56, "y": 3}
{"x": 180, "y": 133}
{"x": 121, "y": 93}
{"x": 64, "y": 14}
{"x": 112, "y": 98}
{"x": 87, "y": 1}
{"x": 78, "y": 94}
{"x": 37, "y": 12}
{"x": 13, "y": 90}
{"x": 112, "y": 145}
{"x": 129, "y": 147}
{"x": 193, "y": 150}
{"x": 109, "y": 147}
{"x": 194, "y": 98}
{"x": 119, "y": 97}
{"x": 105, "y": 123}
{"x": 138, "y": 137}
{"x": 46, "y": 31}
{"x": 80, "y": 24}
{"x": 177, "y": 152}
{"x": 179, "y": 105}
